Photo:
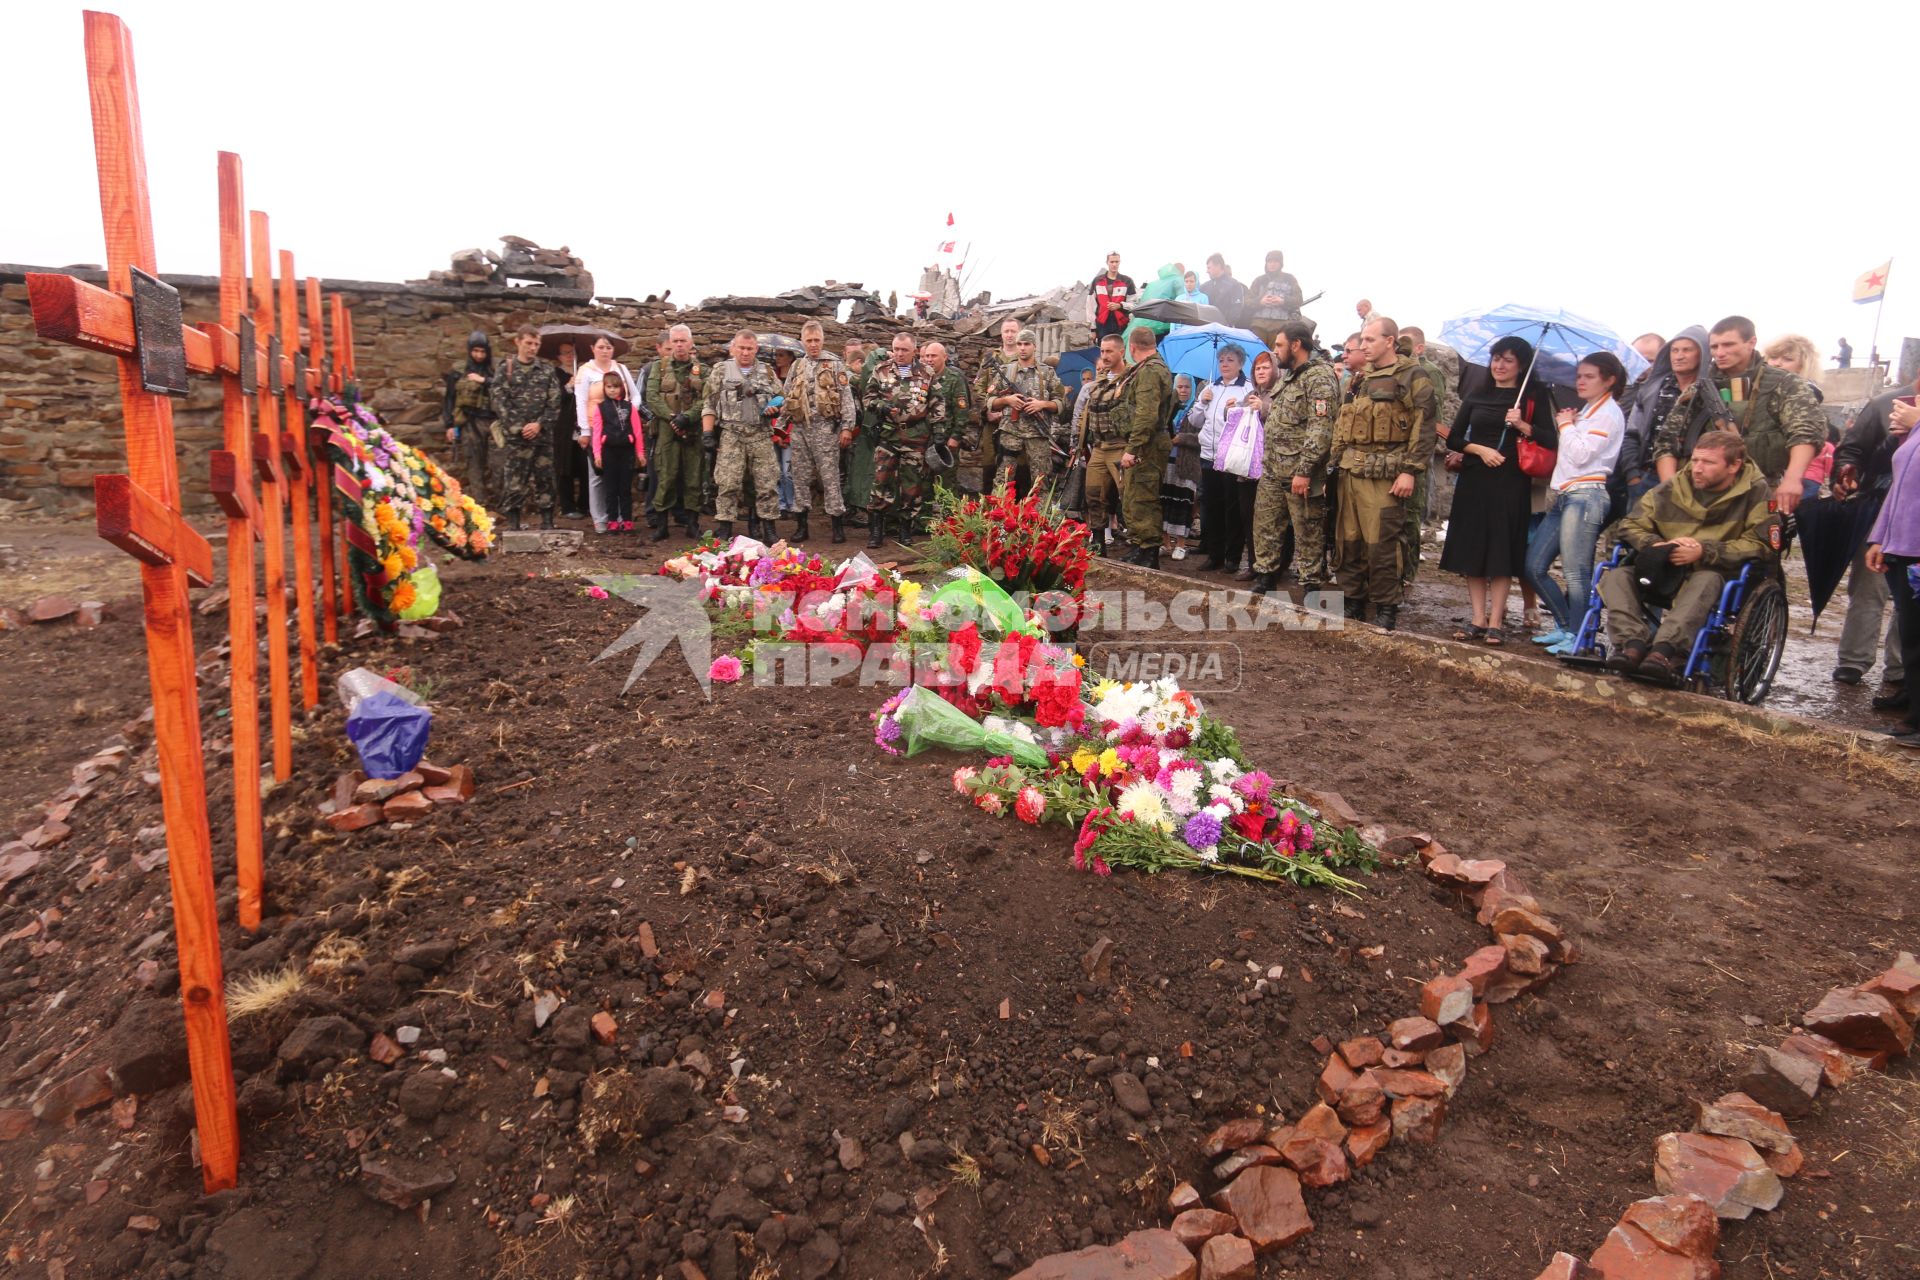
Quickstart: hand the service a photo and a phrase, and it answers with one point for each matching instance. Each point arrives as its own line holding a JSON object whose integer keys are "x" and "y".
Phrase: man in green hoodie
{"x": 1708, "y": 520}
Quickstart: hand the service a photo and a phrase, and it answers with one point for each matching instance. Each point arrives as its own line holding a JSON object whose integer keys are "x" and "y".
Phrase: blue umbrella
{"x": 1074, "y": 363}
{"x": 1195, "y": 349}
{"x": 1560, "y": 339}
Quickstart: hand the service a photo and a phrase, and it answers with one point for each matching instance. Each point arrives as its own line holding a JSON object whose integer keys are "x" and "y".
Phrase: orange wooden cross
{"x": 140, "y": 512}
{"x": 320, "y": 373}
{"x": 293, "y": 455}
{"x": 236, "y": 353}
{"x": 266, "y": 459}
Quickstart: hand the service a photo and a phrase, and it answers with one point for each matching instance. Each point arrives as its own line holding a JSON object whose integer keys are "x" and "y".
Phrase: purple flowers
{"x": 1202, "y": 830}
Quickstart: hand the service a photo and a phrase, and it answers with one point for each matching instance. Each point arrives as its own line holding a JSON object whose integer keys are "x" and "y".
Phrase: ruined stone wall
{"x": 60, "y": 409}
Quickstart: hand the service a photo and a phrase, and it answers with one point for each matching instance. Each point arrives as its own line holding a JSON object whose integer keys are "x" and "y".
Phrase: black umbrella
{"x": 772, "y": 342}
{"x": 1174, "y": 311}
{"x": 582, "y": 336}
{"x": 1830, "y": 532}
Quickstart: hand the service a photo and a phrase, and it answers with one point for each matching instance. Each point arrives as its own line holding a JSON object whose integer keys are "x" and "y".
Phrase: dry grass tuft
{"x": 965, "y": 1169}
{"x": 252, "y": 994}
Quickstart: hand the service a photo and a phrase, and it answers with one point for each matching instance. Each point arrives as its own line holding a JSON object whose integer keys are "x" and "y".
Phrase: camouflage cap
{"x": 1026, "y": 335}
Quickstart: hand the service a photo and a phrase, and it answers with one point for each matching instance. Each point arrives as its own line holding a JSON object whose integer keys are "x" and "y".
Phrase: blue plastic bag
{"x": 389, "y": 733}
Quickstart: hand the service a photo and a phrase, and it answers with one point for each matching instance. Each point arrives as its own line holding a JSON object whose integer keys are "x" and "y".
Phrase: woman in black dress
{"x": 1487, "y": 530}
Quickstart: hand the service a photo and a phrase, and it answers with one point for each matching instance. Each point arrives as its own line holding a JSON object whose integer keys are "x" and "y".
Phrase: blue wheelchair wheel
{"x": 1756, "y": 645}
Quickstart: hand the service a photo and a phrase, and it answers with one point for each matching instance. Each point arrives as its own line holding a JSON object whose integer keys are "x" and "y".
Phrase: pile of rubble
{"x": 359, "y": 802}
{"x": 522, "y": 260}
{"x": 810, "y": 300}
{"x": 58, "y": 607}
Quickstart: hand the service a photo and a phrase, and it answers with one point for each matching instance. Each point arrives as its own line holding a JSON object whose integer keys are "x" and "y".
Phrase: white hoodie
{"x": 1211, "y": 417}
{"x": 1589, "y": 446}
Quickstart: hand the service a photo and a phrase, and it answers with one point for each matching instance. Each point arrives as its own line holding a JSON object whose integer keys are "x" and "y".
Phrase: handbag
{"x": 1244, "y": 448}
{"x": 1535, "y": 460}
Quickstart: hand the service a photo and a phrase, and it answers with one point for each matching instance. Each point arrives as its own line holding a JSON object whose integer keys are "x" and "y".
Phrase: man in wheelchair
{"x": 1689, "y": 536}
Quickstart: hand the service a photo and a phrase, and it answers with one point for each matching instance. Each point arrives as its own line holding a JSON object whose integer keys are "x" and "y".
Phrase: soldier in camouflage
{"x": 1142, "y": 416}
{"x": 1412, "y": 343}
{"x": 820, "y": 412}
{"x": 741, "y": 395}
{"x": 467, "y": 413}
{"x": 525, "y": 400}
{"x": 896, "y": 402}
{"x": 1029, "y": 395}
{"x": 1773, "y": 411}
{"x": 1097, "y": 438}
{"x": 1293, "y": 479}
{"x": 949, "y": 407}
{"x": 1382, "y": 441}
{"x": 990, "y": 376}
{"x": 675, "y": 397}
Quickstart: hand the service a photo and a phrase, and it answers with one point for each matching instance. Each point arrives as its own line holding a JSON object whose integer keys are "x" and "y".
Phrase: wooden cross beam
{"x": 319, "y": 369}
{"x": 145, "y": 519}
{"x": 266, "y": 457}
{"x": 293, "y": 455}
{"x": 238, "y": 357}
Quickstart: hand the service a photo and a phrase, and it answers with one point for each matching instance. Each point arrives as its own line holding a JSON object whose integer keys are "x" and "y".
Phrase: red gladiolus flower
{"x": 963, "y": 649}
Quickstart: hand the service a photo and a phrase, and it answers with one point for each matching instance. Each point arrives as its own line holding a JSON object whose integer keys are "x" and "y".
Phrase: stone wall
{"x": 60, "y": 411}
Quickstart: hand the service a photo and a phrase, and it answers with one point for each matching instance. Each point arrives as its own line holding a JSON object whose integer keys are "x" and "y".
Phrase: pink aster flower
{"x": 725, "y": 668}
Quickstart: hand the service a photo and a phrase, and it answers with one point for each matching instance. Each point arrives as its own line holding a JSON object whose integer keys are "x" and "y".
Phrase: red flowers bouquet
{"x": 1021, "y": 545}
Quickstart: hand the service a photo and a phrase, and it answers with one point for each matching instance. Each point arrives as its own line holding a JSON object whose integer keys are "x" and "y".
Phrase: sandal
{"x": 1493, "y": 637}
{"x": 1468, "y": 634}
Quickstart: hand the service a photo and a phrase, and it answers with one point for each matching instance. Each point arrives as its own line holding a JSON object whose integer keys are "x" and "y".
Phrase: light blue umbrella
{"x": 1195, "y": 349}
{"x": 1560, "y": 340}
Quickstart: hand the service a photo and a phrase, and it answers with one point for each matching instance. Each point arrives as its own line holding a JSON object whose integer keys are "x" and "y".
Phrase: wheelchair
{"x": 1735, "y": 655}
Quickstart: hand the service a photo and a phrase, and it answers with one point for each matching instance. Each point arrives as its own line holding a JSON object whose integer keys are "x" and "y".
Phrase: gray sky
{"x": 1651, "y": 165}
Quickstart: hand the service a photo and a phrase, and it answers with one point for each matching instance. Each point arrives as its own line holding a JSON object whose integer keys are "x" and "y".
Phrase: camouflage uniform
{"x": 857, "y": 490}
{"x": 1444, "y": 364}
{"x": 1299, "y": 437}
{"x": 470, "y": 408}
{"x": 1141, "y": 416}
{"x": 1777, "y": 412}
{"x": 675, "y": 388}
{"x": 950, "y": 414}
{"x": 521, "y": 393}
{"x": 899, "y": 404}
{"x": 1100, "y": 437}
{"x": 1031, "y": 438}
{"x": 1385, "y": 431}
{"x": 819, "y": 407}
{"x": 981, "y": 458}
{"x": 738, "y": 399}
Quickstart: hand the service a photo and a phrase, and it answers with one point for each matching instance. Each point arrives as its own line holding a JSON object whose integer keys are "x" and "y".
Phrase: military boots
{"x": 839, "y": 528}
{"x": 801, "y": 531}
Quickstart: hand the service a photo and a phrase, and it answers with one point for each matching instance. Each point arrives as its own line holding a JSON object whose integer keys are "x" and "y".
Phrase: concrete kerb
{"x": 1596, "y": 688}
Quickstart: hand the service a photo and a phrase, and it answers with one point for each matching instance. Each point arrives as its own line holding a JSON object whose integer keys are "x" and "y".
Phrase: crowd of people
{"x": 1289, "y": 456}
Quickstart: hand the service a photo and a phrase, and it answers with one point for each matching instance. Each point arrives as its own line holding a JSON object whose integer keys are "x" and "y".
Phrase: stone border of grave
{"x": 1740, "y": 1147}
{"x": 1373, "y": 1090}
{"x": 1601, "y": 689}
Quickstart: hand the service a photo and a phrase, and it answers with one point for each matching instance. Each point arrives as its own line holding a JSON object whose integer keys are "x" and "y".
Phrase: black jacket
{"x": 1868, "y": 446}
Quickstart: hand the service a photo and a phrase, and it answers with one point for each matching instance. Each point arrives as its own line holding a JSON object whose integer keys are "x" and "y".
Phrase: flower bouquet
{"x": 1020, "y": 544}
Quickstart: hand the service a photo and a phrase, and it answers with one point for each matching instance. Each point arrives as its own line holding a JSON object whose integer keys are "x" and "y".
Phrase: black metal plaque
{"x": 249, "y": 366}
{"x": 156, "y": 335}
{"x": 275, "y": 383}
{"x": 300, "y": 374}
{"x": 326, "y": 376}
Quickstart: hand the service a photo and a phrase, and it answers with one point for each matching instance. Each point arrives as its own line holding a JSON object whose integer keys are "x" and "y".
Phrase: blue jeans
{"x": 1569, "y": 533}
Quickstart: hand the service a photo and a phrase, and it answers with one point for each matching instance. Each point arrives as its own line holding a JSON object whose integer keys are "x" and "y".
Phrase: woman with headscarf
{"x": 467, "y": 411}
{"x": 1487, "y": 528}
{"x": 587, "y": 394}
{"x": 1180, "y": 483}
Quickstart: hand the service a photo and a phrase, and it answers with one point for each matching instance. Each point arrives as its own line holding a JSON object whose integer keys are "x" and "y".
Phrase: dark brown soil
{"x": 862, "y": 927}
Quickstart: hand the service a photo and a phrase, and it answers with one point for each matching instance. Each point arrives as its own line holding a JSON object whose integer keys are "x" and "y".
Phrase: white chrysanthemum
{"x": 1209, "y": 854}
{"x": 1017, "y": 728}
{"x": 1147, "y": 803}
{"x": 1186, "y": 790}
{"x": 1226, "y": 799}
{"x": 1223, "y": 770}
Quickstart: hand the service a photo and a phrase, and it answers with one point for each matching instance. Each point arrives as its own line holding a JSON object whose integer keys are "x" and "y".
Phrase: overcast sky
{"x": 1651, "y": 165}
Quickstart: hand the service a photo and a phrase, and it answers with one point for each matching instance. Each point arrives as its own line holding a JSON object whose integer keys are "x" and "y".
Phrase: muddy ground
{"x": 835, "y": 933}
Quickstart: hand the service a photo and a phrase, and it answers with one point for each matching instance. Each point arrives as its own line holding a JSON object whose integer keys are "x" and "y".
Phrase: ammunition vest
{"x": 682, "y": 390}
{"x": 1379, "y": 416}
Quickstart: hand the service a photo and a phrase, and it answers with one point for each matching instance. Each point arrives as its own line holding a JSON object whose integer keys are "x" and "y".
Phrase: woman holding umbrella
{"x": 1487, "y": 530}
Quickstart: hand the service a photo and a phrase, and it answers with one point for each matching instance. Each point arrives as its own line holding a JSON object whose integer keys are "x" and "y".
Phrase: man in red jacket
{"x": 1107, "y": 299}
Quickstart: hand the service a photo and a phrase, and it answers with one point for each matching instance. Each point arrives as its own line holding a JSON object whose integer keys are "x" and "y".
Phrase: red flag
{"x": 946, "y": 246}
{"x": 949, "y": 219}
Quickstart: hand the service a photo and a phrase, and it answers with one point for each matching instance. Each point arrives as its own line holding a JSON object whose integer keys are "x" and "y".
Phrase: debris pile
{"x": 522, "y": 261}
